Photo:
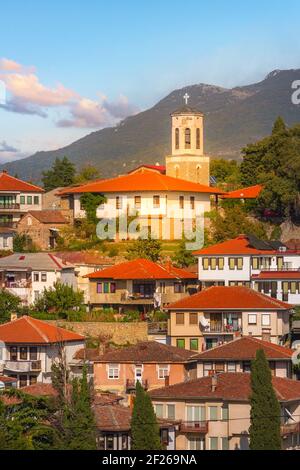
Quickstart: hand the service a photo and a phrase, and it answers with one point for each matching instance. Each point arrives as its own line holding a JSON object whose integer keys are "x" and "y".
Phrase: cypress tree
{"x": 144, "y": 428}
{"x": 265, "y": 408}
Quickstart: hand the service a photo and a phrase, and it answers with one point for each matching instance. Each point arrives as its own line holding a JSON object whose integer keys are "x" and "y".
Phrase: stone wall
{"x": 120, "y": 333}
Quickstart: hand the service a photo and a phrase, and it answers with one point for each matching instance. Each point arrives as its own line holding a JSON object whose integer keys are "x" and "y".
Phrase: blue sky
{"x": 71, "y": 67}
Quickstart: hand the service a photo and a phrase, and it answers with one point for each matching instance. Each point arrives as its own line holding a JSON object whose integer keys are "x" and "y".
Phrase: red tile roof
{"x": 147, "y": 352}
{"x": 252, "y": 192}
{"x": 277, "y": 275}
{"x": 40, "y": 390}
{"x": 230, "y": 387}
{"x": 140, "y": 181}
{"x": 7, "y": 380}
{"x": 9, "y": 183}
{"x": 245, "y": 349}
{"x": 93, "y": 258}
{"x": 30, "y": 330}
{"x": 142, "y": 269}
{"x": 49, "y": 216}
{"x": 229, "y": 298}
{"x": 237, "y": 246}
{"x": 159, "y": 168}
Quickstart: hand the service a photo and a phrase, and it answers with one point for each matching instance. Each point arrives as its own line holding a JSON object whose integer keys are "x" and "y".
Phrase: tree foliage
{"x": 145, "y": 248}
{"x": 225, "y": 171}
{"x": 60, "y": 299}
{"x": 22, "y": 243}
{"x": 265, "y": 408}
{"x": 9, "y": 303}
{"x": 90, "y": 202}
{"x": 275, "y": 162}
{"x": 183, "y": 257}
{"x": 61, "y": 174}
{"x": 87, "y": 173}
{"x": 144, "y": 428}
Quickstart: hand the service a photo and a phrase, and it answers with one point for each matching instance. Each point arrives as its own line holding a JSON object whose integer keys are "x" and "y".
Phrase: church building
{"x": 168, "y": 199}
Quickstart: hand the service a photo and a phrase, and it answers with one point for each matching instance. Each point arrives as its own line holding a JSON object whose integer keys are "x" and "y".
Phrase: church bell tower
{"x": 187, "y": 160}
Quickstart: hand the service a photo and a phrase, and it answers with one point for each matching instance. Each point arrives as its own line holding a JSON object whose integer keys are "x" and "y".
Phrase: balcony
{"x": 131, "y": 384}
{"x": 23, "y": 366}
{"x": 8, "y": 224}
{"x": 222, "y": 328}
{"x": 200, "y": 427}
{"x": 9, "y": 206}
{"x": 291, "y": 428}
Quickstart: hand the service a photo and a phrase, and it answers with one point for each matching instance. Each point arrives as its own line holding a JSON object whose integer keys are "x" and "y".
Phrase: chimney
{"x": 13, "y": 316}
{"x": 214, "y": 382}
{"x": 167, "y": 380}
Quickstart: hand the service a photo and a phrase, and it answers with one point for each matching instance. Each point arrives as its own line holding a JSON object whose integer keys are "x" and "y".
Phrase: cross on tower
{"x": 186, "y": 97}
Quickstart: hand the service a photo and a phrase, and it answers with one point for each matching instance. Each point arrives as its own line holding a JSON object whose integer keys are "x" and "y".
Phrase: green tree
{"x": 61, "y": 174}
{"x": 61, "y": 298}
{"x": 9, "y": 303}
{"x": 225, "y": 171}
{"x": 144, "y": 428}
{"x": 265, "y": 409}
{"x": 87, "y": 173}
{"x": 145, "y": 248}
{"x": 183, "y": 257}
{"x": 22, "y": 243}
{"x": 90, "y": 202}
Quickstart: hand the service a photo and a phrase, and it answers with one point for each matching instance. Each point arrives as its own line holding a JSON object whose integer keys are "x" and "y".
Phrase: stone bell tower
{"x": 188, "y": 161}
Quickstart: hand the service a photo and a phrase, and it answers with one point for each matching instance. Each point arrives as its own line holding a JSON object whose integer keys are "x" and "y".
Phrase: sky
{"x": 69, "y": 68}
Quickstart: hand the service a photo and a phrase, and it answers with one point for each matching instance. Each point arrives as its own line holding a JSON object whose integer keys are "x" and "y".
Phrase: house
{"x": 140, "y": 284}
{"x": 113, "y": 422}
{"x": 85, "y": 262}
{"x": 151, "y": 363}
{"x": 269, "y": 267}
{"x": 166, "y": 199}
{"x": 214, "y": 412}
{"x": 219, "y": 314}
{"x": 17, "y": 198}
{"x": 7, "y": 382}
{"x": 236, "y": 356}
{"x": 30, "y": 348}
{"x": 28, "y": 274}
{"x": 43, "y": 227}
{"x": 7, "y": 238}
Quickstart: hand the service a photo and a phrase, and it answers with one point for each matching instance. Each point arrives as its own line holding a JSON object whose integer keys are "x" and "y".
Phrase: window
{"x": 192, "y": 202}
{"x": 181, "y": 202}
{"x": 118, "y": 202}
{"x": 159, "y": 410}
{"x": 137, "y": 202}
{"x": 106, "y": 287}
{"x": 5, "y": 242}
{"x": 265, "y": 319}
{"x": 113, "y": 371}
{"x": 156, "y": 202}
{"x": 164, "y": 437}
{"x": 293, "y": 288}
{"x": 196, "y": 443}
{"x": 99, "y": 287}
{"x": 240, "y": 263}
{"x": 32, "y": 379}
{"x": 213, "y": 443}
{"x": 194, "y": 345}
{"x": 213, "y": 413}
{"x": 193, "y": 318}
{"x": 187, "y": 138}
{"x": 36, "y": 200}
{"x": 162, "y": 287}
{"x": 170, "y": 411}
{"x": 197, "y": 138}
{"x": 22, "y": 380}
{"x": 29, "y": 200}
{"x": 36, "y": 277}
{"x": 13, "y": 353}
{"x": 221, "y": 263}
{"x": 113, "y": 287}
{"x": 208, "y": 367}
{"x": 33, "y": 353}
{"x": 225, "y": 443}
{"x": 176, "y": 138}
{"x": 279, "y": 262}
{"x": 231, "y": 367}
{"x": 252, "y": 319}
{"x": 225, "y": 413}
{"x": 195, "y": 413}
{"x": 22, "y": 199}
{"x": 231, "y": 263}
{"x": 255, "y": 263}
{"x": 220, "y": 367}
{"x": 180, "y": 343}
{"x": 23, "y": 353}
{"x": 246, "y": 366}
{"x": 213, "y": 264}
{"x": 163, "y": 371}
{"x": 205, "y": 263}
{"x": 44, "y": 277}
{"x": 180, "y": 318}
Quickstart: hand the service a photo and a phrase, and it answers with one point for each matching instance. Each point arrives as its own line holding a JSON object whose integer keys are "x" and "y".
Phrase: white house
{"x": 29, "y": 347}
{"x": 158, "y": 197}
{"x": 268, "y": 267}
{"x": 28, "y": 274}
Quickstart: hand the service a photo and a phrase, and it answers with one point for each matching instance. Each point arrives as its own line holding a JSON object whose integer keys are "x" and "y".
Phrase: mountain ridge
{"x": 234, "y": 117}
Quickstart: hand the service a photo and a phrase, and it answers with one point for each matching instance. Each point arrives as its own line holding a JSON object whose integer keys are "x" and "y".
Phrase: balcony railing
{"x": 9, "y": 206}
{"x": 157, "y": 327}
{"x": 23, "y": 366}
{"x": 194, "y": 426}
{"x": 8, "y": 224}
{"x": 289, "y": 428}
{"x": 18, "y": 284}
{"x": 220, "y": 328}
{"x": 131, "y": 384}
